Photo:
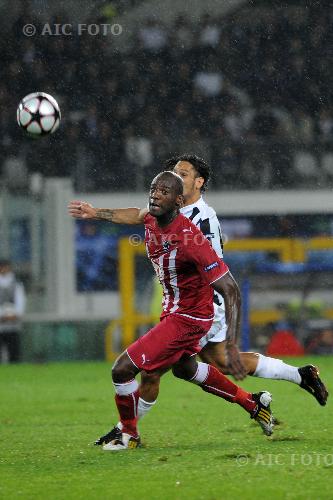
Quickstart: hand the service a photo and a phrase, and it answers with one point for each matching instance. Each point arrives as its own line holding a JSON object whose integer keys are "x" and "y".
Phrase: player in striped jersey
{"x": 195, "y": 174}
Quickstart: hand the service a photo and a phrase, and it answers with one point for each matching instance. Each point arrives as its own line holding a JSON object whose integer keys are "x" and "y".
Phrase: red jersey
{"x": 186, "y": 266}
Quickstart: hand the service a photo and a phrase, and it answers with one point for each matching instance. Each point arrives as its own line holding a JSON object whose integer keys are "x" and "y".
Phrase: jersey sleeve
{"x": 209, "y": 265}
{"x": 212, "y": 230}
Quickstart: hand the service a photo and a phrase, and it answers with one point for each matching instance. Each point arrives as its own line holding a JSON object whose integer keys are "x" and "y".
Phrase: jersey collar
{"x": 188, "y": 209}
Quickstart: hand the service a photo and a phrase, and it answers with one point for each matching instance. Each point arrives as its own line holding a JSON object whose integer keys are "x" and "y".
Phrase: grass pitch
{"x": 196, "y": 446}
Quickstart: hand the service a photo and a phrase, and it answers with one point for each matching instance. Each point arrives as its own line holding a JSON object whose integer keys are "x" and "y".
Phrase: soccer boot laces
{"x": 114, "y": 434}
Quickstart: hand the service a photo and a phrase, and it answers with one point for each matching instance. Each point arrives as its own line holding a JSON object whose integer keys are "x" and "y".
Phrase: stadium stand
{"x": 247, "y": 91}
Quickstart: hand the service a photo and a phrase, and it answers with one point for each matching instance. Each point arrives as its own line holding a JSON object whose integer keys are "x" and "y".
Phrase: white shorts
{"x": 217, "y": 333}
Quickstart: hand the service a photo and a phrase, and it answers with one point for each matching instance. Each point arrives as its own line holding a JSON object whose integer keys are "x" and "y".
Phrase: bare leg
{"x": 255, "y": 364}
{"x": 149, "y": 389}
{"x": 214, "y": 354}
{"x": 150, "y": 385}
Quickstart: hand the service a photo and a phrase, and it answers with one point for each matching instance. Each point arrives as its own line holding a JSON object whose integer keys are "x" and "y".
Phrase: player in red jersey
{"x": 189, "y": 270}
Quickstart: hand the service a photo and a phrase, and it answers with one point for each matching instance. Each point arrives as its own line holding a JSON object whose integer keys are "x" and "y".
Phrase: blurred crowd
{"x": 249, "y": 93}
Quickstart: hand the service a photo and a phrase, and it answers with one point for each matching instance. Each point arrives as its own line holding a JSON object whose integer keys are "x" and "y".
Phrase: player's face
{"x": 163, "y": 197}
{"x": 192, "y": 182}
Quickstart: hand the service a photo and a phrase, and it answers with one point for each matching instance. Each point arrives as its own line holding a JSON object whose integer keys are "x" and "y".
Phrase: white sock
{"x": 201, "y": 374}
{"x": 276, "y": 369}
{"x": 143, "y": 408}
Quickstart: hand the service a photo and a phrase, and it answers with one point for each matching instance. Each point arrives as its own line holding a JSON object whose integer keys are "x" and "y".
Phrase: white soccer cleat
{"x": 125, "y": 442}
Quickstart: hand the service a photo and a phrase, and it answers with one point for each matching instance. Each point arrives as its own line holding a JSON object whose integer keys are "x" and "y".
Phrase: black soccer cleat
{"x": 262, "y": 412}
{"x": 114, "y": 434}
{"x": 312, "y": 383}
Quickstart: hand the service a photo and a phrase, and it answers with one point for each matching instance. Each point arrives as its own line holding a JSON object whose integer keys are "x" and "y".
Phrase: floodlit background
{"x": 247, "y": 85}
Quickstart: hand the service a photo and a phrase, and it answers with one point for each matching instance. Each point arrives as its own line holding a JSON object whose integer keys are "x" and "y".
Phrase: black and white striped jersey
{"x": 205, "y": 218}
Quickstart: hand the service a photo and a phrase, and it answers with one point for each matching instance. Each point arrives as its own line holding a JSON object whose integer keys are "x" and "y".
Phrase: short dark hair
{"x": 176, "y": 179}
{"x": 199, "y": 164}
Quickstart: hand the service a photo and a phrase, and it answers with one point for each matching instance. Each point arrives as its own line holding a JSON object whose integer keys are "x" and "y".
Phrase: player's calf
{"x": 150, "y": 386}
{"x": 214, "y": 382}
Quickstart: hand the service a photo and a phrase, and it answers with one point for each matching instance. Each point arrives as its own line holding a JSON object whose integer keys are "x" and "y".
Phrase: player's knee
{"x": 122, "y": 371}
{"x": 182, "y": 371}
{"x": 117, "y": 373}
{"x": 177, "y": 371}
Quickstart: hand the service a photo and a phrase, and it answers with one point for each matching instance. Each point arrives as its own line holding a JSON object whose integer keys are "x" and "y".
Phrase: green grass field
{"x": 196, "y": 446}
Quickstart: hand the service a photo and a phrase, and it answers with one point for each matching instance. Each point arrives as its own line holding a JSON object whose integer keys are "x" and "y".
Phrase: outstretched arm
{"x": 229, "y": 289}
{"x": 83, "y": 210}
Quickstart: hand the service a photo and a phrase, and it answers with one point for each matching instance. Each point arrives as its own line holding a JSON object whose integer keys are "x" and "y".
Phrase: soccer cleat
{"x": 276, "y": 421}
{"x": 262, "y": 412}
{"x": 312, "y": 383}
{"x": 125, "y": 442}
{"x": 114, "y": 434}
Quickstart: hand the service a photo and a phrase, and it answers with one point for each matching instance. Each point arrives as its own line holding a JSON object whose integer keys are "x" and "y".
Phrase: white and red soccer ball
{"x": 38, "y": 114}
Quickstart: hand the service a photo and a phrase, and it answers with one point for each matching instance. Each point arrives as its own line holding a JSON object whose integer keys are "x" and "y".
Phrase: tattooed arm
{"x": 84, "y": 210}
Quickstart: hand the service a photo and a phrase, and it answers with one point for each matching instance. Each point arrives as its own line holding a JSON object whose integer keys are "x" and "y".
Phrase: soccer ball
{"x": 38, "y": 114}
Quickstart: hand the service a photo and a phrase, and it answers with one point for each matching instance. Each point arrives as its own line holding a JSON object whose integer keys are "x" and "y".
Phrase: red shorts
{"x": 167, "y": 342}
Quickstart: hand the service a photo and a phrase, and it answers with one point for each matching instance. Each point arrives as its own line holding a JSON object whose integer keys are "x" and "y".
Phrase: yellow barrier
{"x": 282, "y": 246}
{"x": 318, "y": 244}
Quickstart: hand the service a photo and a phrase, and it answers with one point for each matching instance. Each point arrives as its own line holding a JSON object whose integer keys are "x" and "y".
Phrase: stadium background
{"x": 246, "y": 85}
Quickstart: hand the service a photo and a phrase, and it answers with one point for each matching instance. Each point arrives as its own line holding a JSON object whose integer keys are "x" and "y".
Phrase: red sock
{"x": 218, "y": 384}
{"x": 127, "y": 407}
